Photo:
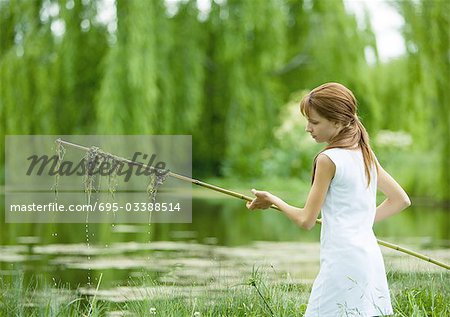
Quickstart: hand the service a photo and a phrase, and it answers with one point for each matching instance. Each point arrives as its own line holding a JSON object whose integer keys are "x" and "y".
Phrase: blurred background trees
{"x": 228, "y": 77}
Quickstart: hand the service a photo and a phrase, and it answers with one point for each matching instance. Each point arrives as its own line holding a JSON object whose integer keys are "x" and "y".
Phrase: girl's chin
{"x": 321, "y": 141}
{"x": 316, "y": 139}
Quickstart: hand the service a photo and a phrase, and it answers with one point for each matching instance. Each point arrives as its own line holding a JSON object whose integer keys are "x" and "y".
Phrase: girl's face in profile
{"x": 320, "y": 128}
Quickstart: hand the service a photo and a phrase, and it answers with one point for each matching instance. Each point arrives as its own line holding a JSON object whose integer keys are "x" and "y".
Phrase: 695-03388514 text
{"x": 98, "y": 207}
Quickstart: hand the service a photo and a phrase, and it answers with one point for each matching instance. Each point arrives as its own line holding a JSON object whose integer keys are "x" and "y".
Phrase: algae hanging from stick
{"x": 95, "y": 162}
{"x": 60, "y": 152}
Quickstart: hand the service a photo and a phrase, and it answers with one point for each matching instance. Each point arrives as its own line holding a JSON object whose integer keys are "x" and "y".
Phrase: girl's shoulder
{"x": 340, "y": 156}
{"x": 342, "y": 151}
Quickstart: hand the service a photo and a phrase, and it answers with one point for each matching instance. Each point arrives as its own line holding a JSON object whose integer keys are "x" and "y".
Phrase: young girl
{"x": 352, "y": 278}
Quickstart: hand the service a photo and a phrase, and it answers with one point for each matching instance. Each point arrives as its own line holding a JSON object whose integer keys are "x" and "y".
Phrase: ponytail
{"x": 364, "y": 145}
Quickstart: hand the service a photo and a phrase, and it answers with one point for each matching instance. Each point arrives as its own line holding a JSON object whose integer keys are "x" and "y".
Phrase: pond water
{"x": 221, "y": 247}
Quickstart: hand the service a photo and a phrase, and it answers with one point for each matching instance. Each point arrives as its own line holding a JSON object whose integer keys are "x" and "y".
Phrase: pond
{"x": 221, "y": 247}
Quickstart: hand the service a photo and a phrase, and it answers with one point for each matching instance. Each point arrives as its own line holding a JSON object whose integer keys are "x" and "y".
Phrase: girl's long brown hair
{"x": 336, "y": 103}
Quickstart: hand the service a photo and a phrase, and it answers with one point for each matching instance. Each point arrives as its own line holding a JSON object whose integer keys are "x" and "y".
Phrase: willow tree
{"x": 327, "y": 44}
{"x": 49, "y": 66}
{"x": 129, "y": 92}
{"x": 335, "y": 50}
{"x": 187, "y": 64}
{"x": 77, "y": 68}
{"x": 25, "y": 71}
{"x": 248, "y": 46}
{"x": 209, "y": 144}
{"x": 291, "y": 71}
{"x": 427, "y": 35}
{"x": 25, "y": 66}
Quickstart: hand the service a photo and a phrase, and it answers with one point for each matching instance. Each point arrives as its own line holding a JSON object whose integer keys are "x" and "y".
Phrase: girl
{"x": 346, "y": 174}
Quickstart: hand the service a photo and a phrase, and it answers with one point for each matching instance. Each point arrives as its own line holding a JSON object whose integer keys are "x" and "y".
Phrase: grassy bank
{"x": 413, "y": 294}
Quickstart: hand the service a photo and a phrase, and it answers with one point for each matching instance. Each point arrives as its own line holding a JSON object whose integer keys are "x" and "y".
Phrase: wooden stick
{"x": 247, "y": 198}
{"x": 413, "y": 253}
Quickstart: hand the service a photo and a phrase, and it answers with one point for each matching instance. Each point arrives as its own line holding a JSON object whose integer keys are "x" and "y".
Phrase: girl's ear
{"x": 338, "y": 126}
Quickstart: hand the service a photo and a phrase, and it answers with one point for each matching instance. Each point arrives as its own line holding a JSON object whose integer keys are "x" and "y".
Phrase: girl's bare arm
{"x": 303, "y": 217}
{"x": 396, "y": 198}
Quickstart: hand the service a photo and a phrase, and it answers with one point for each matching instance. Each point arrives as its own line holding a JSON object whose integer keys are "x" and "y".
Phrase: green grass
{"x": 413, "y": 294}
{"x": 420, "y": 294}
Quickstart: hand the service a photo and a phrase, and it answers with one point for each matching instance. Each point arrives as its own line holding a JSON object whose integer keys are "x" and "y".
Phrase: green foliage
{"x": 129, "y": 92}
{"x": 293, "y": 151}
{"x": 222, "y": 76}
{"x": 428, "y": 43}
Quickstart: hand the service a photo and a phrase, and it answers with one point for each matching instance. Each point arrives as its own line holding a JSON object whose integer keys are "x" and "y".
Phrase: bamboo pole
{"x": 247, "y": 198}
{"x": 413, "y": 253}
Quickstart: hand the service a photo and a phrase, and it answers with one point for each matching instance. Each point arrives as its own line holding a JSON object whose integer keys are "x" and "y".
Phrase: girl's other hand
{"x": 263, "y": 200}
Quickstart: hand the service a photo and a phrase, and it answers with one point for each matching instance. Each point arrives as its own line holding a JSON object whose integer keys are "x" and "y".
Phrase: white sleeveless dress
{"x": 352, "y": 278}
